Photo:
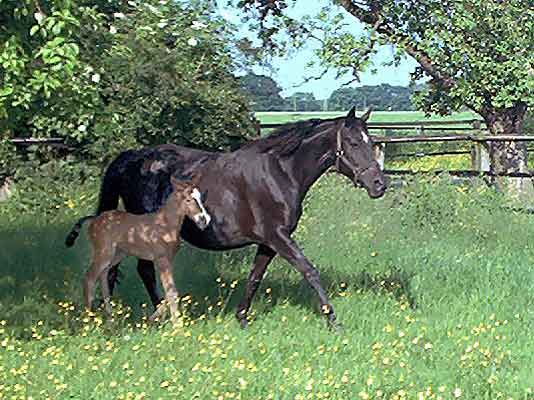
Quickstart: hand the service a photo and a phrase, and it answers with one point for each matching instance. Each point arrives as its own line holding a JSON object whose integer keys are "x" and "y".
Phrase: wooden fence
{"x": 471, "y": 131}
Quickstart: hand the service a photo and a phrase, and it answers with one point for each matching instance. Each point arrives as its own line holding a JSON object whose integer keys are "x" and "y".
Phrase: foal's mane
{"x": 286, "y": 139}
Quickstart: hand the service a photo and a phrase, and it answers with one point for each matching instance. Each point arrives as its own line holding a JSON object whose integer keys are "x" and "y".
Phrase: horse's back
{"x": 142, "y": 177}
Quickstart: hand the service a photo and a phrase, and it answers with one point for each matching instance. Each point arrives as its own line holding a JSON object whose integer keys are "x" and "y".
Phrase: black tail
{"x": 71, "y": 237}
{"x": 109, "y": 189}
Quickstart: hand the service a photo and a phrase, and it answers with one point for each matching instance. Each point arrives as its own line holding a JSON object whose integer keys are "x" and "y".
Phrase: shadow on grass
{"x": 39, "y": 272}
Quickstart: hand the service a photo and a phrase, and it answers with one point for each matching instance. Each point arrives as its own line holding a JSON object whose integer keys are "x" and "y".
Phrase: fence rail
{"x": 477, "y": 138}
{"x": 37, "y": 141}
{"x": 474, "y": 123}
{"x": 453, "y": 138}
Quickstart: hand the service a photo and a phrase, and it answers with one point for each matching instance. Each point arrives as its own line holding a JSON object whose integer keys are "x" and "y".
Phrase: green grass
{"x": 433, "y": 284}
{"x": 376, "y": 116}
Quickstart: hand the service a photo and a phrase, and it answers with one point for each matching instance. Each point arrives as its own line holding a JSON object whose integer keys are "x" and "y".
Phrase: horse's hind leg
{"x": 113, "y": 272}
{"x": 148, "y": 275}
{"x": 113, "y": 277}
{"x": 264, "y": 256}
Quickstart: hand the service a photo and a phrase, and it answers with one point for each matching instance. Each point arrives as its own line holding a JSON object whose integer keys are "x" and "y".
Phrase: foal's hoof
{"x": 158, "y": 314}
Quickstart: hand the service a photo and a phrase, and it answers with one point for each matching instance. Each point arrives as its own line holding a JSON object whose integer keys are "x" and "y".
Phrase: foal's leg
{"x": 95, "y": 271}
{"x": 105, "y": 290}
{"x": 264, "y": 256}
{"x": 171, "y": 294}
{"x": 115, "y": 258}
{"x": 289, "y": 249}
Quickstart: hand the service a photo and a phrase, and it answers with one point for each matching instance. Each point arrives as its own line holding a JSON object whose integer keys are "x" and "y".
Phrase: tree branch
{"x": 373, "y": 18}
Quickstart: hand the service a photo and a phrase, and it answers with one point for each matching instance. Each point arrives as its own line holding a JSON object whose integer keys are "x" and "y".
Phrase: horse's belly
{"x": 212, "y": 238}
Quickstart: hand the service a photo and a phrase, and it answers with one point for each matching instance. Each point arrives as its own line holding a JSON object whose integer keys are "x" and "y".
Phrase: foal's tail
{"x": 75, "y": 231}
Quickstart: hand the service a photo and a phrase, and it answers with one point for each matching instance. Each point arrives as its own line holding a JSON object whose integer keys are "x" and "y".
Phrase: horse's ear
{"x": 352, "y": 114}
{"x": 195, "y": 179}
{"x": 366, "y": 115}
{"x": 177, "y": 184}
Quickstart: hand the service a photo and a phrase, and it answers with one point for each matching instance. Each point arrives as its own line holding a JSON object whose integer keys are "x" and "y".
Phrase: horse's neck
{"x": 313, "y": 158}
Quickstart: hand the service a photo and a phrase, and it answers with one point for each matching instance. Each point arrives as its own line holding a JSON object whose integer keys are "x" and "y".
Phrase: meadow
{"x": 433, "y": 285}
{"x": 267, "y": 117}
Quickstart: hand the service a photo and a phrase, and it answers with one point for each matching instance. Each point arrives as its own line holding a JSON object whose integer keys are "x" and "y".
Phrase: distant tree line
{"x": 264, "y": 94}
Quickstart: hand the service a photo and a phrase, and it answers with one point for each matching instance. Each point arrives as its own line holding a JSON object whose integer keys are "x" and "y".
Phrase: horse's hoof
{"x": 335, "y": 326}
{"x": 243, "y": 323}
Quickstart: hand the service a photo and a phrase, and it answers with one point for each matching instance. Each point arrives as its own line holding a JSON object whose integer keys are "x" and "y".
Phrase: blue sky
{"x": 291, "y": 71}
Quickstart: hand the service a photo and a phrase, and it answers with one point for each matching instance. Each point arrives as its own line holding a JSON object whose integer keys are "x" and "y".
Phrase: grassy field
{"x": 433, "y": 284}
{"x": 376, "y": 116}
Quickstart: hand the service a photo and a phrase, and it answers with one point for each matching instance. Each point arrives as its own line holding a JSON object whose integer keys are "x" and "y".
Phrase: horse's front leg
{"x": 289, "y": 249}
{"x": 264, "y": 256}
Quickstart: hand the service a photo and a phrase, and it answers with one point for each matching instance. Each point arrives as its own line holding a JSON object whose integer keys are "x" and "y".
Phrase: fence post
{"x": 480, "y": 157}
{"x": 379, "y": 150}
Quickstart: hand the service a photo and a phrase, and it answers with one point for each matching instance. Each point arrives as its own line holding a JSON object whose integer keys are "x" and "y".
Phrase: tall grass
{"x": 433, "y": 284}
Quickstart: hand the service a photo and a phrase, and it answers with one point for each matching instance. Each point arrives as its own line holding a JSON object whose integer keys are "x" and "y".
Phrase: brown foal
{"x": 154, "y": 237}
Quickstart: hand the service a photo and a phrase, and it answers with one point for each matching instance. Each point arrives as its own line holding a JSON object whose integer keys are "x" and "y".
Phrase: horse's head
{"x": 354, "y": 155}
{"x": 188, "y": 198}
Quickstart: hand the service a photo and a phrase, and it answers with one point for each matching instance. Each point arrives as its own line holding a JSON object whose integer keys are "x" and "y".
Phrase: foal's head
{"x": 187, "y": 199}
{"x": 354, "y": 155}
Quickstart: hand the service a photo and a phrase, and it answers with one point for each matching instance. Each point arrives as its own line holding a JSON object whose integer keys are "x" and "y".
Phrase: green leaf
{"x": 34, "y": 30}
{"x": 53, "y": 60}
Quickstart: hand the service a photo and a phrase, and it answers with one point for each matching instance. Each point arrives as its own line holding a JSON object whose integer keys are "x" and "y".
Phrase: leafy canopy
{"x": 476, "y": 53}
{"x": 111, "y": 75}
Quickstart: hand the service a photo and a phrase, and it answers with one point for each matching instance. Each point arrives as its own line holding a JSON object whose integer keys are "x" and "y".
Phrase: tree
{"x": 381, "y": 97}
{"x": 303, "y": 101}
{"x": 110, "y": 75}
{"x": 263, "y": 92}
{"x": 474, "y": 53}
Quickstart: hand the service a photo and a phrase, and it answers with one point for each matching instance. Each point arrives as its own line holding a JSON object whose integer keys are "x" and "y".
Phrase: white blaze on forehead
{"x": 197, "y": 196}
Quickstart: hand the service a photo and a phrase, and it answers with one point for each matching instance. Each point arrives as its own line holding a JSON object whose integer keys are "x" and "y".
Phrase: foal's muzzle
{"x": 202, "y": 221}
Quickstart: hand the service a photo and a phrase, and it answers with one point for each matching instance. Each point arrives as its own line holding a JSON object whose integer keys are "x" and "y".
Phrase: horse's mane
{"x": 286, "y": 139}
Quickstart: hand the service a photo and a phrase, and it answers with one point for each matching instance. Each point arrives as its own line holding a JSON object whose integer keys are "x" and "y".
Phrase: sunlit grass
{"x": 433, "y": 285}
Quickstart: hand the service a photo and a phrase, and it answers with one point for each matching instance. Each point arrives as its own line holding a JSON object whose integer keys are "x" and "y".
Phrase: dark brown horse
{"x": 254, "y": 194}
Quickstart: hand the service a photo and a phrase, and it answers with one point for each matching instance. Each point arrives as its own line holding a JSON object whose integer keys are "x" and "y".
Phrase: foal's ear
{"x": 195, "y": 179}
{"x": 366, "y": 115}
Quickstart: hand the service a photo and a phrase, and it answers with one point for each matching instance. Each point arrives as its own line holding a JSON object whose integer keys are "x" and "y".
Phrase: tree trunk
{"x": 509, "y": 157}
